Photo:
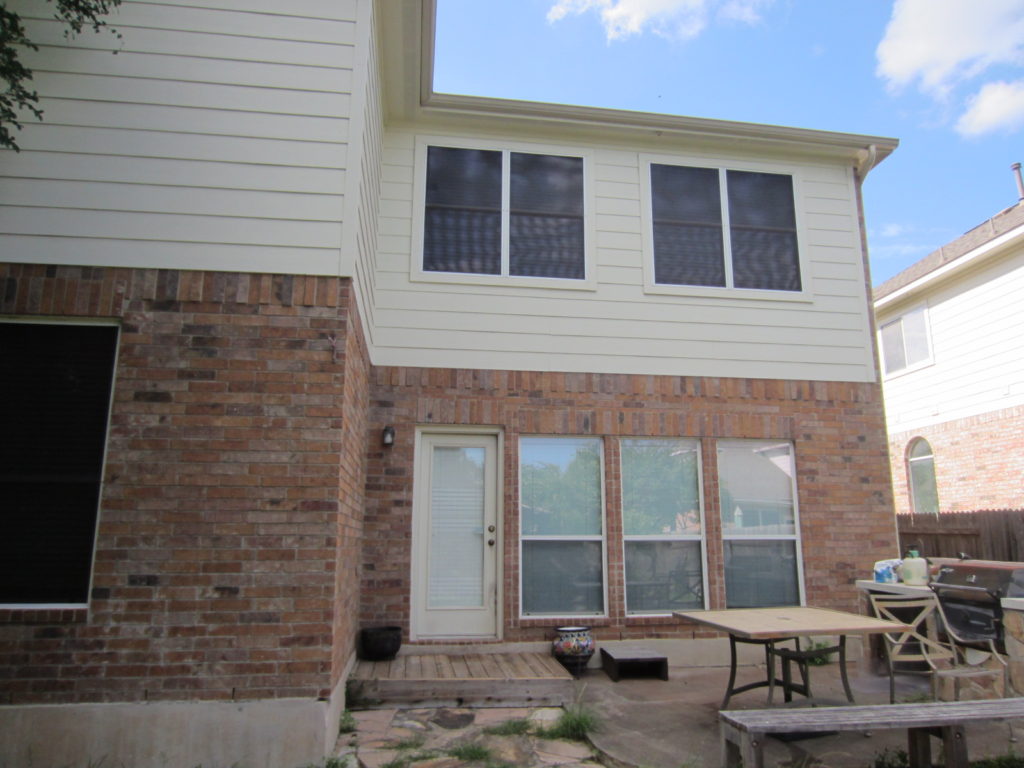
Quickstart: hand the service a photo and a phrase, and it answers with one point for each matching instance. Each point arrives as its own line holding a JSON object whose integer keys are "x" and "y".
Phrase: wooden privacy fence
{"x": 987, "y": 534}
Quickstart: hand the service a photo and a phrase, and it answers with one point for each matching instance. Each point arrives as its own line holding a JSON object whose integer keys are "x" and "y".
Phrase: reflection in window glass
{"x": 757, "y": 482}
{"x": 661, "y": 517}
{"x": 905, "y": 341}
{"x": 562, "y": 525}
{"x": 921, "y": 468}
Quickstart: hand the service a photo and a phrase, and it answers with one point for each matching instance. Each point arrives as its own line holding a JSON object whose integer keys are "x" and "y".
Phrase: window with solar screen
{"x": 504, "y": 213}
{"x": 722, "y": 228}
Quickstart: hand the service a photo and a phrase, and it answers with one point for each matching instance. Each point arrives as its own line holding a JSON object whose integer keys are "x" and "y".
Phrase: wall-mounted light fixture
{"x": 387, "y": 437}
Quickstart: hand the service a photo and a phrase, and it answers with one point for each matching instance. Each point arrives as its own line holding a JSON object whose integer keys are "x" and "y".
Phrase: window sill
{"x": 710, "y": 292}
{"x": 504, "y": 281}
{"x": 72, "y": 613}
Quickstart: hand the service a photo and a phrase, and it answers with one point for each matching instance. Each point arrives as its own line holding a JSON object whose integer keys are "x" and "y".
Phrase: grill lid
{"x": 998, "y": 578}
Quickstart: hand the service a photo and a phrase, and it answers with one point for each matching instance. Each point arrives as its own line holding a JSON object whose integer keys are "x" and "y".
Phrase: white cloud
{"x": 939, "y": 43}
{"x": 997, "y": 106}
{"x": 678, "y": 19}
{"x": 894, "y": 230}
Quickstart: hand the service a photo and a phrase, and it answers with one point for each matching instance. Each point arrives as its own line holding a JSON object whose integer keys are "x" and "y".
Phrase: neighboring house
{"x": 625, "y": 363}
{"x": 951, "y": 332}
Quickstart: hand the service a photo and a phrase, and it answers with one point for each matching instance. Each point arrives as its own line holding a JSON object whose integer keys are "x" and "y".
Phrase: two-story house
{"x": 303, "y": 346}
{"x": 951, "y": 333}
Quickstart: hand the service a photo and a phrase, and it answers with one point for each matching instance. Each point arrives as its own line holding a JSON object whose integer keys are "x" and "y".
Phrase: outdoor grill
{"x": 970, "y": 592}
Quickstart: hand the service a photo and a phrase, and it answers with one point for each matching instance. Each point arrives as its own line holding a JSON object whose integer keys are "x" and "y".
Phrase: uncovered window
{"x": 723, "y": 228}
{"x": 924, "y": 495}
{"x": 503, "y": 213}
{"x": 54, "y": 405}
{"x": 562, "y": 526}
{"x": 757, "y": 483}
{"x": 905, "y": 342}
{"x": 662, "y": 525}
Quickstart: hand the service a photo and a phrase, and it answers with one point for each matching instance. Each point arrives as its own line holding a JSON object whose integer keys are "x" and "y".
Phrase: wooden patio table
{"x": 768, "y": 626}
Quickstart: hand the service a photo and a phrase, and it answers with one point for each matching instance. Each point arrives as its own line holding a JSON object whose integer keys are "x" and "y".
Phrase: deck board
{"x": 478, "y": 679}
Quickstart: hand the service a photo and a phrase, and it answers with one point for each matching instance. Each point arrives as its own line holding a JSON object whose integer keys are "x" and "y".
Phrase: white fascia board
{"x": 407, "y": 51}
{"x": 866, "y": 151}
{"x": 993, "y": 247}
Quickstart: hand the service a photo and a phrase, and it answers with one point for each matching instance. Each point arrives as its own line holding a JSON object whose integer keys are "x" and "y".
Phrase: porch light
{"x": 387, "y": 437}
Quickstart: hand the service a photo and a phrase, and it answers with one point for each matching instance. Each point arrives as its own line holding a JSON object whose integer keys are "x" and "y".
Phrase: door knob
{"x": 490, "y": 528}
{"x": 490, "y": 542}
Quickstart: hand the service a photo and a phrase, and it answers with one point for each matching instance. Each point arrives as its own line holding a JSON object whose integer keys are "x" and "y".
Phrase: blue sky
{"x": 945, "y": 77}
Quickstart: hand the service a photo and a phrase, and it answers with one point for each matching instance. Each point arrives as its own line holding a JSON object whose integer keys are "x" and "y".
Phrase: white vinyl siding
{"x": 612, "y": 325}
{"x": 216, "y": 138}
{"x": 977, "y": 344}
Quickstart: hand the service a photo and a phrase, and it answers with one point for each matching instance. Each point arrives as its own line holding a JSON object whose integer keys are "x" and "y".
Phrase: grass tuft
{"x": 510, "y": 728}
{"x": 574, "y": 725}
{"x": 470, "y": 752}
{"x": 347, "y": 723}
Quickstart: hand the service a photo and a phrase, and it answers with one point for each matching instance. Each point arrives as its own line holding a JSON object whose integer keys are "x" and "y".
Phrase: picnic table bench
{"x": 744, "y": 731}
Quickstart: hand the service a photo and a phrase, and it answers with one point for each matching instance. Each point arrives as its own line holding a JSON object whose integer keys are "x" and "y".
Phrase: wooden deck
{"x": 471, "y": 679}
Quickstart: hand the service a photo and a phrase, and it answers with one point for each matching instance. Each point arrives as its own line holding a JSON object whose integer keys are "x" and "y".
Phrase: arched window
{"x": 924, "y": 496}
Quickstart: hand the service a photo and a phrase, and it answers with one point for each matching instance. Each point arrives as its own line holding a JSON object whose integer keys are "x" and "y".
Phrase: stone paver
{"x": 644, "y": 722}
{"x": 428, "y": 734}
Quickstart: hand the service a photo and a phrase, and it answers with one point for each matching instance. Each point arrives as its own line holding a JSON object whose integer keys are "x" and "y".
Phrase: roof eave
{"x": 411, "y": 31}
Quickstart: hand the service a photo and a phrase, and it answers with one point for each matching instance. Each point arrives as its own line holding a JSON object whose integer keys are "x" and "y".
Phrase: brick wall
{"x": 979, "y": 462}
{"x": 225, "y": 562}
{"x": 838, "y": 429}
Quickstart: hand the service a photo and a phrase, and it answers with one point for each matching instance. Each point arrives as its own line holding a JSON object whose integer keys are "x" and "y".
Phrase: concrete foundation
{"x": 259, "y": 734}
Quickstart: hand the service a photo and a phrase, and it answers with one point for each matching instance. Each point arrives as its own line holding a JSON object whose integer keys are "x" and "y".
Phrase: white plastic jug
{"x": 914, "y": 571}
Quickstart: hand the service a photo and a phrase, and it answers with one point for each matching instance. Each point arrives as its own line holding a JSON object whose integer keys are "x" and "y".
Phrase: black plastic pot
{"x": 379, "y": 643}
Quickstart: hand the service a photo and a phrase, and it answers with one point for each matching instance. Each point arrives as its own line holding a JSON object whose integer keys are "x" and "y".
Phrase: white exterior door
{"x": 455, "y": 536}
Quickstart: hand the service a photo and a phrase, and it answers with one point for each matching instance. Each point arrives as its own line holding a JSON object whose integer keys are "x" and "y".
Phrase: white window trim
{"x": 911, "y": 485}
{"x": 794, "y": 537}
{"x": 602, "y": 537}
{"x": 805, "y": 294}
{"x": 926, "y": 362}
{"x": 419, "y": 197}
{"x": 702, "y": 537}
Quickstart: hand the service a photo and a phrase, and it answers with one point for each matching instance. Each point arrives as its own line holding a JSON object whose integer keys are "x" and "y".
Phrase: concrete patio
{"x": 668, "y": 724}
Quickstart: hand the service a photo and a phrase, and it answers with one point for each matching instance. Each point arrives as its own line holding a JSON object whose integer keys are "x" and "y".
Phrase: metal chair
{"x": 944, "y": 660}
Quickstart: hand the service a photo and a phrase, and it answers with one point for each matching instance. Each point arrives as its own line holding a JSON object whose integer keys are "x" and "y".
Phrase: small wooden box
{"x": 633, "y": 660}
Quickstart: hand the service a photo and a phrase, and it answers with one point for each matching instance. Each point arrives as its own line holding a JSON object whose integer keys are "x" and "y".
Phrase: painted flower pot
{"x": 379, "y": 643}
{"x": 572, "y": 648}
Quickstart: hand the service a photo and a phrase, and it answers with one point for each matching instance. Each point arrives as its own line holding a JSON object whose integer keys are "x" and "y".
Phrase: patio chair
{"x": 941, "y": 659}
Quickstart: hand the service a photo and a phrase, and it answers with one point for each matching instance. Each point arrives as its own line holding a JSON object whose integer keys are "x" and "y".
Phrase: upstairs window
{"x": 905, "y": 342}
{"x": 722, "y": 228}
{"x": 503, "y": 213}
{"x": 54, "y": 405}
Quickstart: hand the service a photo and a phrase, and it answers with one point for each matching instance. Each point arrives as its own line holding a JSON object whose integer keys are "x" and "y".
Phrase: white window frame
{"x": 912, "y": 486}
{"x": 805, "y": 294}
{"x": 602, "y": 537}
{"x": 794, "y": 537}
{"x": 418, "y": 274}
{"x": 701, "y": 537}
{"x": 926, "y": 361}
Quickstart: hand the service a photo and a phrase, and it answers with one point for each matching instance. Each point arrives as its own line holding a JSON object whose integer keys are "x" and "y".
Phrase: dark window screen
{"x": 462, "y": 222}
{"x": 762, "y": 225}
{"x": 546, "y": 216}
{"x": 687, "y": 211}
{"x": 54, "y": 404}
